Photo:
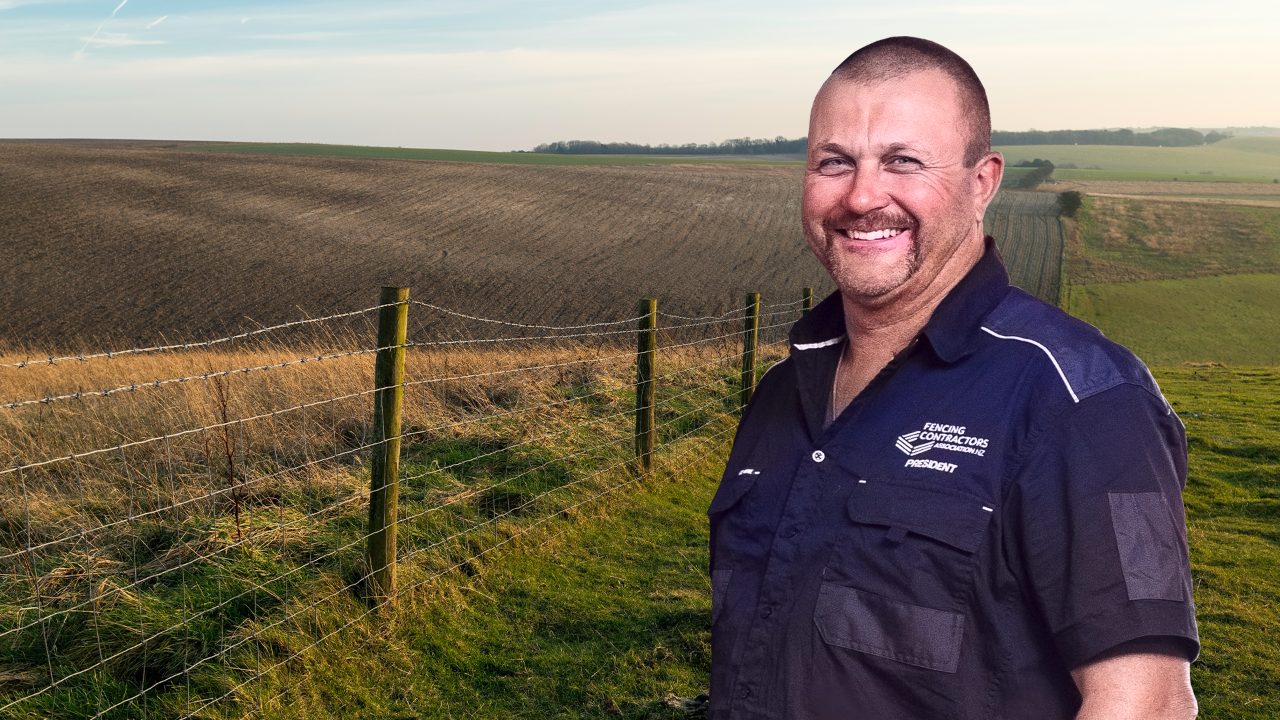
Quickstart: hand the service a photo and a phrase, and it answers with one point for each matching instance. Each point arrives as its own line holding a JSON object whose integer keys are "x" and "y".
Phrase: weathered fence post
{"x": 807, "y": 303}
{"x": 750, "y": 334}
{"x": 384, "y": 484}
{"x": 646, "y": 348}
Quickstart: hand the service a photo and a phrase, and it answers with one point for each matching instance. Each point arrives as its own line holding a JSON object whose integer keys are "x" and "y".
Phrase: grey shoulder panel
{"x": 1083, "y": 358}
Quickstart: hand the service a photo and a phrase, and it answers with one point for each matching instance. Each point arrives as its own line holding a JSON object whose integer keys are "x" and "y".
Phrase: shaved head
{"x": 896, "y": 57}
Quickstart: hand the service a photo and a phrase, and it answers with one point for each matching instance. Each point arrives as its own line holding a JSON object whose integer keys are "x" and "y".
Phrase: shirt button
{"x": 765, "y": 613}
{"x": 791, "y": 532}
{"x": 744, "y": 692}
{"x": 819, "y": 456}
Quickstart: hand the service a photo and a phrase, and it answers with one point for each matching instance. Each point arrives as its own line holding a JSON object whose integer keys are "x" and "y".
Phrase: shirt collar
{"x": 953, "y": 329}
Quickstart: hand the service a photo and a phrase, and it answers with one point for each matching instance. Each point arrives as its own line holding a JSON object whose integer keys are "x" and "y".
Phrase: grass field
{"x": 1243, "y": 159}
{"x": 610, "y": 619}
{"x": 173, "y": 580}
{"x": 594, "y": 612}
{"x": 1179, "y": 281}
{"x": 1225, "y": 319}
{"x": 527, "y": 604}
{"x": 1123, "y": 239}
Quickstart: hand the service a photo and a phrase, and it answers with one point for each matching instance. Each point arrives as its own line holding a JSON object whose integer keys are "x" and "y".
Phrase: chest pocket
{"x": 910, "y": 541}
{"x": 901, "y": 570}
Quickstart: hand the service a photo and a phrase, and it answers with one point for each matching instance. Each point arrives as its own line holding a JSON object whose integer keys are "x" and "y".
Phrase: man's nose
{"x": 866, "y": 191}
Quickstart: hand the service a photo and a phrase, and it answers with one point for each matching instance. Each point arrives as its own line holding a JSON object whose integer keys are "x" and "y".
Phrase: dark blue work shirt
{"x": 1000, "y": 505}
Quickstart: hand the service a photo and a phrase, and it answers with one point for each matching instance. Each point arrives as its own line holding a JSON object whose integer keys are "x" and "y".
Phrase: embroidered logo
{"x": 940, "y": 436}
{"x": 905, "y": 444}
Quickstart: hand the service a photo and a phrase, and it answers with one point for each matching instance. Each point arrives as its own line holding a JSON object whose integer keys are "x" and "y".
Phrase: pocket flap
{"x": 954, "y": 518}
{"x": 868, "y": 623}
{"x": 733, "y": 486}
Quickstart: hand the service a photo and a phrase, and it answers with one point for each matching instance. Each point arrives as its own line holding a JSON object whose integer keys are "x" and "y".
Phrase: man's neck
{"x": 891, "y": 321}
{"x": 880, "y": 328}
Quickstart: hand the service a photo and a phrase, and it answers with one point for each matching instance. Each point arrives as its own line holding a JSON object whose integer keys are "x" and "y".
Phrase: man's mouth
{"x": 883, "y": 234}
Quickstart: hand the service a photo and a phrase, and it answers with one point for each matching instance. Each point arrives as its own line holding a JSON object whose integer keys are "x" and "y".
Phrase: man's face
{"x": 887, "y": 198}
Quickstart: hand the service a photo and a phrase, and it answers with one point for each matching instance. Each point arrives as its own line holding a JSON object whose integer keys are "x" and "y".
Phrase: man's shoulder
{"x": 1085, "y": 362}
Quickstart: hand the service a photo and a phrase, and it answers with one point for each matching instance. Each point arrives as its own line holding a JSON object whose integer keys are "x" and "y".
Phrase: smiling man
{"x": 952, "y": 500}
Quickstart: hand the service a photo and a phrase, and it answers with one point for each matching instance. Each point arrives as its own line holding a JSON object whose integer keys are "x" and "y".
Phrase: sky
{"x": 507, "y": 75}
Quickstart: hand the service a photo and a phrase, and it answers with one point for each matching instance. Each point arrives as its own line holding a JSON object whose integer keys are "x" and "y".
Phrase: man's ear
{"x": 987, "y": 175}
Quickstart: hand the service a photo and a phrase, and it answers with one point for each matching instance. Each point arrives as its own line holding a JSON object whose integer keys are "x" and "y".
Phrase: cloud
{"x": 157, "y": 21}
{"x": 109, "y": 39}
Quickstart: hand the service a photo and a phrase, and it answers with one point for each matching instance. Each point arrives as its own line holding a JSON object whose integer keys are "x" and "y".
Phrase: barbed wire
{"x": 52, "y": 360}
{"x": 290, "y": 615}
{"x": 274, "y": 530}
{"x": 524, "y": 325}
{"x": 206, "y": 376}
{"x": 245, "y": 485}
{"x": 203, "y": 377}
{"x": 304, "y": 406}
{"x": 698, "y": 458}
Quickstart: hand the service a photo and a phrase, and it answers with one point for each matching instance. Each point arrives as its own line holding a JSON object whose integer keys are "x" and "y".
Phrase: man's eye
{"x": 903, "y": 162}
{"x": 832, "y": 166}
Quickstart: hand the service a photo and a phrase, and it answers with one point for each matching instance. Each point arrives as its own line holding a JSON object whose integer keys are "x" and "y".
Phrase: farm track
{"x": 105, "y": 246}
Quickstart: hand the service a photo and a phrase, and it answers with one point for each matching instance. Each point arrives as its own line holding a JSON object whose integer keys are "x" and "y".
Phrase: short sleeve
{"x": 1095, "y": 525}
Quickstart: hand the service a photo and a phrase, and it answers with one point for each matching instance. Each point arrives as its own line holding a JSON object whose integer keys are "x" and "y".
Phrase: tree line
{"x": 736, "y": 146}
{"x": 1166, "y": 137}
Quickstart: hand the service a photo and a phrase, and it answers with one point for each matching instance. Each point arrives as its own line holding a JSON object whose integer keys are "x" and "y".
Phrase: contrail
{"x": 80, "y": 53}
{"x": 157, "y": 21}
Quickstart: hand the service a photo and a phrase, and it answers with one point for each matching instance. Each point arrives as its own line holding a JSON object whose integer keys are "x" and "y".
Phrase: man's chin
{"x": 861, "y": 280}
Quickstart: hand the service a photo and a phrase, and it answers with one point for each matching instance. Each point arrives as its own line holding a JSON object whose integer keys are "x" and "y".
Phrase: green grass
{"x": 1226, "y": 319}
{"x": 1178, "y": 282}
{"x": 611, "y": 617}
{"x": 604, "y": 621}
{"x": 518, "y": 158}
{"x": 276, "y": 623}
{"x": 1245, "y": 159}
{"x": 1233, "y": 527}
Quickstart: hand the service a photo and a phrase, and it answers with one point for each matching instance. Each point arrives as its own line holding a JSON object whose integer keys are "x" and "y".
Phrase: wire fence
{"x": 181, "y": 525}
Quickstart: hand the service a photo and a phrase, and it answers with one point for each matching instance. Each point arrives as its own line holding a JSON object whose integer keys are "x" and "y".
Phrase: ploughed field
{"x": 106, "y": 244}
{"x": 1031, "y": 240}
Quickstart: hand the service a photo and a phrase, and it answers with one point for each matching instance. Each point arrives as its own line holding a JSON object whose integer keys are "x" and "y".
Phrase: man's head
{"x": 896, "y": 57}
{"x": 899, "y": 170}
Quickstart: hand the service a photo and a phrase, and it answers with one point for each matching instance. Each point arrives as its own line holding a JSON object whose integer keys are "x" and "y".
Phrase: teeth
{"x": 876, "y": 235}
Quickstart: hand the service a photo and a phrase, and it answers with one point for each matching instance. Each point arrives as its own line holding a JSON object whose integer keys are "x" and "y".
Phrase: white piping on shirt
{"x": 816, "y": 345}
{"x": 1052, "y": 359}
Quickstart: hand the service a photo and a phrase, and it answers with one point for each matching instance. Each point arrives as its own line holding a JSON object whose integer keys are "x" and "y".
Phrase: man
{"x": 952, "y": 500}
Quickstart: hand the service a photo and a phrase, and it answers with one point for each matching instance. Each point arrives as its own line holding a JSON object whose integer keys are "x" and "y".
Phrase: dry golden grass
{"x": 218, "y": 502}
{"x": 250, "y": 454}
{"x": 1125, "y": 239}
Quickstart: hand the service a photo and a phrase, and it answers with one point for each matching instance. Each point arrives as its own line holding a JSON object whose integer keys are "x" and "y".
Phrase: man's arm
{"x": 1145, "y": 679}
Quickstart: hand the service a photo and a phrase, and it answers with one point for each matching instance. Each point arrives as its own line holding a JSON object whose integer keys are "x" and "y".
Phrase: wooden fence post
{"x": 807, "y": 304}
{"x": 646, "y": 348}
{"x": 384, "y": 483}
{"x": 750, "y": 334}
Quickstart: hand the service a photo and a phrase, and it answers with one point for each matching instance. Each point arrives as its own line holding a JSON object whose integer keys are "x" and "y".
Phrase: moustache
{"x": 877, "y": 220}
